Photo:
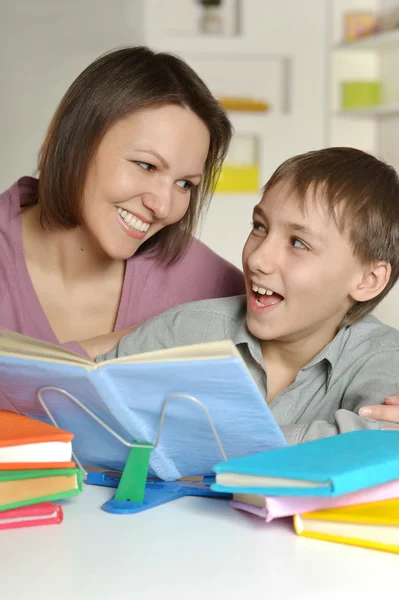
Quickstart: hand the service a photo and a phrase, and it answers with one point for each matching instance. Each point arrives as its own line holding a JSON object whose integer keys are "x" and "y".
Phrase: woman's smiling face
{"x": 141, "y": 177}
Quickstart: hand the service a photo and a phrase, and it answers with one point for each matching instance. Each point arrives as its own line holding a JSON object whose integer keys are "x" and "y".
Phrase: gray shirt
{"x": 359, "y": 367}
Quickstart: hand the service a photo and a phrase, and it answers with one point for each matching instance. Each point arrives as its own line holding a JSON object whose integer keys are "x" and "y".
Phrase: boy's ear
{"x": 374, "y": 280}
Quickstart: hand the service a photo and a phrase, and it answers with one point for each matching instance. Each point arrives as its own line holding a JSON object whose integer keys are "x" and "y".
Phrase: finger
{"x": 393, "y": 400}
{"x": 381, "y": 413}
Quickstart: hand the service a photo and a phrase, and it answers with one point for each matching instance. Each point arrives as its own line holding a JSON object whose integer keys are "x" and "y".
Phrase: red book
{"x": 45, "y": 513}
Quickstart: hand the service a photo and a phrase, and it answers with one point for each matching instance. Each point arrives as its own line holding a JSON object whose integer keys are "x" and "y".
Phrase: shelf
{"x": 380, "y": 41}
{"x": 251, "y": 122}
{"x": 371, "y": 112}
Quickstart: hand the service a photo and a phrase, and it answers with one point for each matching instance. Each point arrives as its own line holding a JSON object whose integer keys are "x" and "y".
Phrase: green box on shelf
{"x": 361, "y": 94}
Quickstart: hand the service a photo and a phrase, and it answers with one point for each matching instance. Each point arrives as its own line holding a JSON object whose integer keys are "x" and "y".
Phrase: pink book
{"x": 274, "y": 507}
{"x": 44, "y": 513}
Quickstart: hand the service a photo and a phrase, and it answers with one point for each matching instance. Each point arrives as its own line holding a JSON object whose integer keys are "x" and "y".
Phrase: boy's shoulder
{"x": 203, "y": 320}
{"x": 363, "y": 356}
{"x": 372, "y": 332}
{"x": 191, "y": 323}
{"x": 231, "y": 307}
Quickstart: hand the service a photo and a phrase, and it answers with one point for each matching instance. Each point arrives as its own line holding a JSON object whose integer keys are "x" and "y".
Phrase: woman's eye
{"x": 144, "y": 165}
{"x": 258, "y": 227}
{"x": 298, "y": 244}
{"x": 184, "y": 184}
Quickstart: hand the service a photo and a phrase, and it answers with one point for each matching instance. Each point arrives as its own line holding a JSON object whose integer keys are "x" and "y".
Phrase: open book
{"x": 128, "y": 395}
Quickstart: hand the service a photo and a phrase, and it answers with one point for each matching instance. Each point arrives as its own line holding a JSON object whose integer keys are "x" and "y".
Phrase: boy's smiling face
{"x": 308, "y": 264}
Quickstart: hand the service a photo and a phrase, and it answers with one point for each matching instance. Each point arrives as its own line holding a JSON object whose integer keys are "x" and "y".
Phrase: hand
{"x": 389, "y": 411}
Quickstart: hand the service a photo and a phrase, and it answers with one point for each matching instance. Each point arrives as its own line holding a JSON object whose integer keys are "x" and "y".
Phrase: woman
{"x": 103, "y": 240}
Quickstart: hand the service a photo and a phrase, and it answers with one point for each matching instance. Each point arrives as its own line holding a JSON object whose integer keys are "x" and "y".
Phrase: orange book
{"x": 26, "y": 443}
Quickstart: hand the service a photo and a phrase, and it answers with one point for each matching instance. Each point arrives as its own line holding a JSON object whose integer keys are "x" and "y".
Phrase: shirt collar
{"x": 331, "y": 353}
{"x": 241, "y": 335}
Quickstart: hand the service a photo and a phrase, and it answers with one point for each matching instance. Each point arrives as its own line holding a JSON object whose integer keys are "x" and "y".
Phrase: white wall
{"x": 296, "y": 30}
{"x": 388, "y": 148}
{"x": 44, "y": 44}
{"x": 380, "y": 137}
{"x": 272, "y": 32}
{"x": 388, "y": 128}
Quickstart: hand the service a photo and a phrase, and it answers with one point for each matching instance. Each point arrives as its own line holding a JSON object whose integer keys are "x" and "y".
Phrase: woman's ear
{"x": 374, "y": 280}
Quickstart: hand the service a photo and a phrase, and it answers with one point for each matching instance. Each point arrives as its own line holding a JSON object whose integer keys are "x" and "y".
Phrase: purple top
{"x": 149, "y": 288}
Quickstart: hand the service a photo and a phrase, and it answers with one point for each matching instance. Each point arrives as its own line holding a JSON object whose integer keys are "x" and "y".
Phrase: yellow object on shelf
{"x": 243, "y": 104}
{"x": 238, "y": 179}
{"x": 361, "y": 94}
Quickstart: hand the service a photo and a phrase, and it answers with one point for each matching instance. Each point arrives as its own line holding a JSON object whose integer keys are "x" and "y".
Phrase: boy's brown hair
{"x": 362, "y": 196}
{"x": 113, "y": 87}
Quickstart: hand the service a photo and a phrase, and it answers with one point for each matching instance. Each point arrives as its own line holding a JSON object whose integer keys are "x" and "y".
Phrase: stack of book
{"x": 35, "y": 470}
{"x": 342, "y": 489}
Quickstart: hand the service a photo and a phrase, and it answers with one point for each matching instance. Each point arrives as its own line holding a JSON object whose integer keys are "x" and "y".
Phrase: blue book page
{"x": 20, "y": 380}
{"x": 187, "y": 446}
{"x": 129, "y": 399}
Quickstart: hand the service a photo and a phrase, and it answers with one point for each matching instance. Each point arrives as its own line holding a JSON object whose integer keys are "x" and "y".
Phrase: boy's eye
{"x": 184, "y": 184}
{"x": 298, "y": 244}
{"x": 258, "y": 227}
{"x": 144, "y": 165}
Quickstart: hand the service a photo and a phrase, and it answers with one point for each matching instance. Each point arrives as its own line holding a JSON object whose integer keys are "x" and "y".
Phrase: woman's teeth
{"x": 133, "y": 221}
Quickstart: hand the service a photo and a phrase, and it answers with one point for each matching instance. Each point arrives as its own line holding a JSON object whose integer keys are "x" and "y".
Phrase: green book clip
{"x": 131, "y": 487}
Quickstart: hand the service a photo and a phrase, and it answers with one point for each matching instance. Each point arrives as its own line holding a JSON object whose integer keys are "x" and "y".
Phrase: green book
{"x": 20, "y": 488}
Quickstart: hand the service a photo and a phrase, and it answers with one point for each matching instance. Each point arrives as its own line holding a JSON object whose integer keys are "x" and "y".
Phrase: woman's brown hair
{"x": 114, "y": 86}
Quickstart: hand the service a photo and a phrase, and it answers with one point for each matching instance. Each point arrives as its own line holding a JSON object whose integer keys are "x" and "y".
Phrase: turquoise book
{"x": 128, "y": 394}
{"x": 326, "y": 467}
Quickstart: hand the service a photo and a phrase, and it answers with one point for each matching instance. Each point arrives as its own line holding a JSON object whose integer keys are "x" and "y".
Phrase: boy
{"x": 322, "y": 253}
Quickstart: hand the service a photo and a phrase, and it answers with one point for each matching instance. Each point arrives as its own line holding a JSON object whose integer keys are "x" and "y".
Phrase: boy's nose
{"x": 264, "y": 258}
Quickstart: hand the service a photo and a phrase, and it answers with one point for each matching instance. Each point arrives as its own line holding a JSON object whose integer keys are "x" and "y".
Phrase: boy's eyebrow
{"x": 163, "y": 161}
{"x": 258, "y": 210}
{"x": 302, "y": 229}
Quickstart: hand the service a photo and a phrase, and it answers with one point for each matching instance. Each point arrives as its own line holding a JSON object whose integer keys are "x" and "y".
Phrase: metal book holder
{"x": 135, "y": 492}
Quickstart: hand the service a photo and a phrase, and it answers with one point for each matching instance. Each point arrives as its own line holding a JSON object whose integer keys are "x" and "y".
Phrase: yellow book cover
{"x": 374, "y": 525}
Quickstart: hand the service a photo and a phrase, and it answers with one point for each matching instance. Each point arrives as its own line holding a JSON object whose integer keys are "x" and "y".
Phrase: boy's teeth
{"x": 262, "y": 291}
{"x": 133, "y": 221}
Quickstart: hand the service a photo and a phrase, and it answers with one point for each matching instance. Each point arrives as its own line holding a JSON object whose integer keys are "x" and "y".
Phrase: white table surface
{"x": 188, "y": 549}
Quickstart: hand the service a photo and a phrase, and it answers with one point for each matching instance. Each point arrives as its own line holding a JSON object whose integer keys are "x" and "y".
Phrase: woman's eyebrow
{"x": 163, "y": 161}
